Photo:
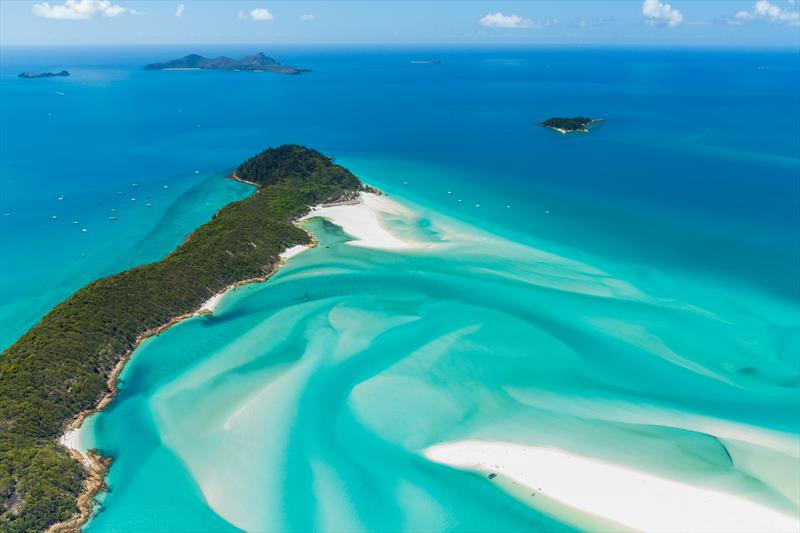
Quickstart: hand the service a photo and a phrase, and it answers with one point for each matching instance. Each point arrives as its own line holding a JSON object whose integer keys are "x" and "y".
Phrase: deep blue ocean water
{"x": 694, "y": 175}
{"x": 696, "y": 166}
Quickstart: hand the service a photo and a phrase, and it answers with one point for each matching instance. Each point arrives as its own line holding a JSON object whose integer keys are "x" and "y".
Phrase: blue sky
{"x": 744, "y": 23}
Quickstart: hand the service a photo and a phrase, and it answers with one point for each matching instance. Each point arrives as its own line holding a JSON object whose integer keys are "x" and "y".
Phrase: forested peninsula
{"x": 65, "y": 365}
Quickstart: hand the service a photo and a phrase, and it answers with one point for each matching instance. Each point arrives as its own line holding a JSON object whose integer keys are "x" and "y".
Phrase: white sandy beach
{"x": 71, "y": 440}
{"x": 363, "y": 220}
{"x": 629, "y": 497}
{"x": 210, "y": 305}
{"x": 293, "y": 251}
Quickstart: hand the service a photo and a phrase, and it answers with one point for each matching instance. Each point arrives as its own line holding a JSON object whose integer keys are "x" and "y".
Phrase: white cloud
{"x": 307, "y": 16}
{"x": 79, "y": 9}
{"x": 258, "y": 13}
{"x": 498, "y": 20}
{"x": 261, "y": 14}
{"x": 658, "y": 13}
{"x": 764, "y": 11}
{"x": 180, "y": 9}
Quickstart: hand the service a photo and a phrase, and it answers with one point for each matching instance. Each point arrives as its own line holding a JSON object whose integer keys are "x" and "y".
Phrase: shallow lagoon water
{"x": 629, "y": 296}
{"x": 306, "y": 402}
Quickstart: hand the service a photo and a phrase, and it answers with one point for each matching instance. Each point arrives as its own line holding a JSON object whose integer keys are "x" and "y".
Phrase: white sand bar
{"x": 362, "y": 221}
{"x": 633, "y": 498}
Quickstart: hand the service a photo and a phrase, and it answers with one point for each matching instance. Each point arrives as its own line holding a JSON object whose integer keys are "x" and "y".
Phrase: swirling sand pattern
{"x": 308, "y": 402}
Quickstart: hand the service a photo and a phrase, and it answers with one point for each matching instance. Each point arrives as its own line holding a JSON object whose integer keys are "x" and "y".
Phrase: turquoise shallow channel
{"x": 305, "y": 402}
{"x": 628, "y": 298}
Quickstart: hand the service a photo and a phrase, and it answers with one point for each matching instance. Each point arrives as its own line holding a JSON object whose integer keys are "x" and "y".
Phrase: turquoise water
{"x": 629, "y": 295}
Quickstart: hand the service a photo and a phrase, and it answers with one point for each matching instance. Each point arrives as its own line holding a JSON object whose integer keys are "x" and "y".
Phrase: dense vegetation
{"x": 61, "y": 366}
{"x": 569, "y": 124}
{"x": 255, "y": 63}
{"x": 43, "y": 74}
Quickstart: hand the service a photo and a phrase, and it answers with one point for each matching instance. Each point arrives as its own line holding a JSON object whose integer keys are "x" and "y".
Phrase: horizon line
{"x": 739, "y": 46}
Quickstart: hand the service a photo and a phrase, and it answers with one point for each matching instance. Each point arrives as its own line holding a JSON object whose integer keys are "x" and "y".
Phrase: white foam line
{"x": 633, "y": 498}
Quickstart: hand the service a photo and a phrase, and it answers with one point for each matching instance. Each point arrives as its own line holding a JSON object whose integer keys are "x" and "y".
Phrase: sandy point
{"x": 632, "y": 498}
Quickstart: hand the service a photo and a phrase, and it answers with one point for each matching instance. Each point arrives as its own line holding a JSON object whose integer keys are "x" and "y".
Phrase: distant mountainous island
{"x": 570, "y": 125}
{"x": 43, "y": 74}
{"x": 255, "y": 63}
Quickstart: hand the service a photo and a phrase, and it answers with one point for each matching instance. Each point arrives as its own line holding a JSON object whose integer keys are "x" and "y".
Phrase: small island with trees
{"x": 255, "y": 63}
{"x": 65, "y": 367}
{"x": 32, "y": 75}
{"x": 570, "y": 125}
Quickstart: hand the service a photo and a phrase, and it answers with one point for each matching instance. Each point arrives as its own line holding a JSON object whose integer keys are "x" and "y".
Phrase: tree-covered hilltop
{"x": 255, "y": 63}
{"x": 61, "y": 366}
{"x": 566, "y": 125}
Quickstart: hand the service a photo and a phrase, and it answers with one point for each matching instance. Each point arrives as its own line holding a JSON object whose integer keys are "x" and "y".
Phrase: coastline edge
{"x": 96, "y": 465}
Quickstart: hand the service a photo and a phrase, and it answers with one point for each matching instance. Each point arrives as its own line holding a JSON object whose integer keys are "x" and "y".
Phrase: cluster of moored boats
{"x": 460, "y": 200}
{"x": 112, "y": 217}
